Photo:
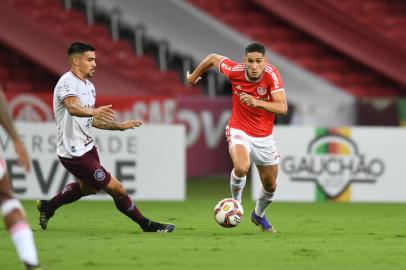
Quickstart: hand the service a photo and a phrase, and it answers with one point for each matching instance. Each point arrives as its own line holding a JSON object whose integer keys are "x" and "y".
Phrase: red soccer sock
{"x": 126, "y": 206}
{"x": 69, "y": 194}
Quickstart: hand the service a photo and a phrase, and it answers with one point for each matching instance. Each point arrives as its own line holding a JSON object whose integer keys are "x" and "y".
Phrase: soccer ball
{"x": 228, "y": 213}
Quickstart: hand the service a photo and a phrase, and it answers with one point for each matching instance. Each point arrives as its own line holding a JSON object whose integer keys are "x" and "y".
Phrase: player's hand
{"x": 248, "y": 100}
{"x": 105, "y": 113}
{"x": 130, "y": 124}
{"x": 189, "y": 78}
{"x": 23, "y": 158}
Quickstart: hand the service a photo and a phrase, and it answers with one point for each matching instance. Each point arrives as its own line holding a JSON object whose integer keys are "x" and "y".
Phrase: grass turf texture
{"x": 94, "y": 235}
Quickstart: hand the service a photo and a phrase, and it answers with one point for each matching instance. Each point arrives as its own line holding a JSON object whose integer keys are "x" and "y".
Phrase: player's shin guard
{"x": 237, "y": 185}
{"x": 21, "y": 233}
{"x": 264, "y": 200}
{"x": 69, "y": 194}
{"x": 126, "y": 206}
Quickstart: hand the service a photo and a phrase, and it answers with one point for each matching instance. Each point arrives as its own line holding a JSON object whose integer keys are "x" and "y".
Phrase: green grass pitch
{"x": 342, "y": 236}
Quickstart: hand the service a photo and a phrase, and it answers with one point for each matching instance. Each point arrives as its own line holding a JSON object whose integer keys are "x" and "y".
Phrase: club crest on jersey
{"x": 261, "y": 90}
{"x": 99, "y": 175}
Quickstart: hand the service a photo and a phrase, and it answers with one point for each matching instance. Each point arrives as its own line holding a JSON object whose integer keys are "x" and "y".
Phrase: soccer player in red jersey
{"x": 257, "y": 94}
{"x": 75, "y": 115}
{"x": 11, "y": 209}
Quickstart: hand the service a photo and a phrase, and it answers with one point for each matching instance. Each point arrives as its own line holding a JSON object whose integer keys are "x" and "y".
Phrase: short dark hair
{"x": 80, "y": 47}
{"x": 255, "y": 47}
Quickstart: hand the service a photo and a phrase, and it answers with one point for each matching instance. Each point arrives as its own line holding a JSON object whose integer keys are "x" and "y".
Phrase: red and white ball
{"x": 228, "y": 213}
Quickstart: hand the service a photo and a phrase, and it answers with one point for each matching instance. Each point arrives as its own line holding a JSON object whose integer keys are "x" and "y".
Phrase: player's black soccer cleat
{"x": 32, "y": 267}
{"x": 158, "y": 227}
{"x": 44, "y": 213}
{"x": 262, "y": 222}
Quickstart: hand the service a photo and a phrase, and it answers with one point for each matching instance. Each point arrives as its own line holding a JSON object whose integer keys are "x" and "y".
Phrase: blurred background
{"x": 343, "y": 62}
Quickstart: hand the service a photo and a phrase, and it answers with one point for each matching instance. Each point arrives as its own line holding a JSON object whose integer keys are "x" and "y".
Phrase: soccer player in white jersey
{"x": 11, "y": 209}
{"x": 257, "y": 94}
{"x": 75, "y": 115}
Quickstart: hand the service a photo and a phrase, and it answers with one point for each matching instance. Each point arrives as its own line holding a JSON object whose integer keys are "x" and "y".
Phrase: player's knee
{"x": 11, "y": 205}
{"x": 118, "y": 191}
{"x": 270, "y": 187}
{"x": 86, "y": 190}
{"x": 241, "y": 171}
{"x": 89, "y": 191}
{"x": 5, "y": 195}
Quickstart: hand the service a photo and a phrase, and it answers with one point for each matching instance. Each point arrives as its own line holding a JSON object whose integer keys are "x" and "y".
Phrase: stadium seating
{"x": 18, "y": 74}
{"x": 387, "y": 17}
{"x": 303, "y": 49}
{"x": 71, "y": 25}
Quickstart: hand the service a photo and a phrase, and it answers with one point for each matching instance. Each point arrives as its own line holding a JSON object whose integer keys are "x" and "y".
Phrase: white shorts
{"x": 262, "y": 150}
{"x": 3, "y": 168}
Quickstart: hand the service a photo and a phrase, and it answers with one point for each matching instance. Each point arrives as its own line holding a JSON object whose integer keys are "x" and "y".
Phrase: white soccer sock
{"x": 264, "y": 200}
{"x": 23, "y": 239}
{"x": 237, "y": 185}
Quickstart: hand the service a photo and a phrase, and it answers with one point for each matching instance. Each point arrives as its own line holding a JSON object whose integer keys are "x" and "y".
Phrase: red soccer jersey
{"x": 253, "y": 121}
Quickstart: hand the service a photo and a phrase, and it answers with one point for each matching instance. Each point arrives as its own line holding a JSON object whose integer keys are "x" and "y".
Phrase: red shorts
{"x": 87, "y": 168}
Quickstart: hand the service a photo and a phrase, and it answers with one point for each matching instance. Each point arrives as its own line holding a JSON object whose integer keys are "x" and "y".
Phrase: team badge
{"x": 99, "y": 175}
{"x": 261, "y": 90}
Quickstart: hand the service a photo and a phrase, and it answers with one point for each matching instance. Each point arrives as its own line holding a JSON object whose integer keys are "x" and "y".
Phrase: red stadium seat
{"x": 70, "y": 26}
{"x": 311, "y": 53}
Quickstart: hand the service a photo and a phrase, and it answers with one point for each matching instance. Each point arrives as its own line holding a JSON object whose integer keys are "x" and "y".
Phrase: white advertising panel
{"x": 149, "y": 161}
{"x": 358, "y": 164}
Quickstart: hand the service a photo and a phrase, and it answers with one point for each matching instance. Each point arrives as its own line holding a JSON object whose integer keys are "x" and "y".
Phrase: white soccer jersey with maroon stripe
{"x": 74, "y": 134}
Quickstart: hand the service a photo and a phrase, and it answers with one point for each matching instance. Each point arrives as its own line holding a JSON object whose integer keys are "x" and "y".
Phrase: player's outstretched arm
{"x": 278, "y": 105}
{"x": 105, "y": 113}
{"x": 7, "y": 123}
{"x": 212, "y": 60}
{"x": 110, "y": 125}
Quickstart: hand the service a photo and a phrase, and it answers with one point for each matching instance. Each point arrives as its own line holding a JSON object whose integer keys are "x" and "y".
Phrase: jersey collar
{"x": 74, "y": 75}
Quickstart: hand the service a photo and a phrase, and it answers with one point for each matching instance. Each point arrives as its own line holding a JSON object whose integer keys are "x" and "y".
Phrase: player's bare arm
{"x": 111, "y": 125}
{"x": 212, "y": 60}
{"x": 7, "y": 123}
{"x": 105, "y": 113}
{"x": 278, "y": 105}
{"x": 5, "y": 118}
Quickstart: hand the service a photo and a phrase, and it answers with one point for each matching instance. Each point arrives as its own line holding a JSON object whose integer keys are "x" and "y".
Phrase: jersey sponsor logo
{"x": 275, "y": 80}
{"x": 261, "y": 90}
{"x": 99, "y": 175}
